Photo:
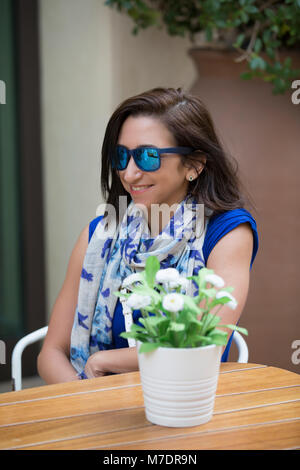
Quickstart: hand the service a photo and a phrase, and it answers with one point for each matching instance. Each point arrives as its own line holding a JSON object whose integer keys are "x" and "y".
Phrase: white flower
{"x": 173, "y": 302}
{"x": 232, "y": 303}
{"x": 135, "y": 277}
{"x": 167, "y": 275}
{"x": 181, "y": 281}
{"x": 215, "y": 280}
{"x": 137, "y": 301}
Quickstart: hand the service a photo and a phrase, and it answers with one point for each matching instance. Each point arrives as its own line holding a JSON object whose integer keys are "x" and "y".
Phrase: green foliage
{"x": 182, "y": 323}
{"x": 261, "y": 29}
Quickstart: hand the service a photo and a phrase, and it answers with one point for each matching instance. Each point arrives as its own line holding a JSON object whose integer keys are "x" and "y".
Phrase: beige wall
{"x": 90, "y": 62}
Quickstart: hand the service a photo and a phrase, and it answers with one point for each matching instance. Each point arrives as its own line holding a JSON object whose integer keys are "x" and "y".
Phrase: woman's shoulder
{"x": 222, "y": 223}
{"x": 232, "y": 216}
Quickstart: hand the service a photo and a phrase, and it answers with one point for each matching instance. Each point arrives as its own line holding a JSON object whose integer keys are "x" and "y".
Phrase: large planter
{"x": 179, "y": 385}
{"x": 262, "y": 132}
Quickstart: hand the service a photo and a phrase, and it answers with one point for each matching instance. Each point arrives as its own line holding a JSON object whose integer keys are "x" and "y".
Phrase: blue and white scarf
{"x": 110, "y": 259}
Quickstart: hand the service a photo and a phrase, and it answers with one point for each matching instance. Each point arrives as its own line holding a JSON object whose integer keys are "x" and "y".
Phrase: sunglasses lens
{"x": 147, "y": 159}
{"x": 120, "y": 159}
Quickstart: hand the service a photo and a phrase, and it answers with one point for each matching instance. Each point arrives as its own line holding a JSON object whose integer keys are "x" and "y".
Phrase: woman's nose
{"x": 131, "y": 172}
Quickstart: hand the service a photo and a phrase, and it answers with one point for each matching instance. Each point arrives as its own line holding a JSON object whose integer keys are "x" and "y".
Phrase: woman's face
{"x": 166, "y": 185}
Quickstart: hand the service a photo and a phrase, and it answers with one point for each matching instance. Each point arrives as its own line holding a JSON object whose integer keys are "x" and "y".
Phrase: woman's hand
{"x": 116, "y": 361}
{"x": 94, "y": 366}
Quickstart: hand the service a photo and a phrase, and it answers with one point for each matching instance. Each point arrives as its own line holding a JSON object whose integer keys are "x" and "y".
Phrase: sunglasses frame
{"x": 133, "y": 153}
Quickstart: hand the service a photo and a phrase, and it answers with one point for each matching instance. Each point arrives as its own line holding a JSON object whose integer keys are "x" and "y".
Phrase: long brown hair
{"x": 218, "y": 186}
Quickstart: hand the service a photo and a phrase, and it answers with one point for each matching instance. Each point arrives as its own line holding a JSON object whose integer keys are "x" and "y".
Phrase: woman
{"x": 194, "y": 168}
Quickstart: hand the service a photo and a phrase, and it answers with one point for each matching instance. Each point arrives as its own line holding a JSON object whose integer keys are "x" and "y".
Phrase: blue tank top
{"x": 218, "y": 226}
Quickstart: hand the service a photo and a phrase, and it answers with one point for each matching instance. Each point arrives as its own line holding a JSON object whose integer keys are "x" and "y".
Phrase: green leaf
{"x": 219, "y": 338}
{"x": 122, "y": 295}
{"x": 209, "y": 292}
{"x": 270, "y": 52}
{"x": 149, "y": 325}
{"x": 190, "y": 305}
{"x": 148, "y": 347}
{"x": 155, "y": 321}
{"x": 257, "y": 63}
{"x": 212, "y": 321}
{"x": 246, "y": 76}
{"x": 239, "y": 40}
{"x": 176, "y": 326}
{"x": 258, "y": 45}
{"x": 135, "y": 335}
{"x": 203, "y": 340}
{"x": 269, "y": 13}
{"x": 244, "y": 16}
{"x": 228, "y": 289}
{"x": 288, "y": 62}
{"x": 138, "y": 328}
{"x": 236, "y": 328}
{"x": 222, "y": 301}
{"x": 145, "y": 290}
{"x": 251, "y": 9}
{"x": 152, "y": 266}
{"x": 127, "y": 334}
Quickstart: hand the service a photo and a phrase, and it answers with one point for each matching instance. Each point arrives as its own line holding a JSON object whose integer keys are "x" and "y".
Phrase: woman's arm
{"x": 54, "y": 359}
{"x": 115, "y": 361}
{"x": 230, "y": 259}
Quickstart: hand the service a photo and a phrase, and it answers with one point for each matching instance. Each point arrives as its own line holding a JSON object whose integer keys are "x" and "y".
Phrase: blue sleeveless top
{"x": 218, "y": 226}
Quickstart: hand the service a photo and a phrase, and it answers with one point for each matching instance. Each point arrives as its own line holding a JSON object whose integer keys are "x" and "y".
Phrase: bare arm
{"x": 115, "y": 361}
{"x": 54, "y": 359}
{"x": 230, "y": 259}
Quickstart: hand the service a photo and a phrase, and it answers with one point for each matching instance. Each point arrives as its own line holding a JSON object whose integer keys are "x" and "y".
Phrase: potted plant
{"x": 179, "y": 343}
{"x": 258, "y": 30}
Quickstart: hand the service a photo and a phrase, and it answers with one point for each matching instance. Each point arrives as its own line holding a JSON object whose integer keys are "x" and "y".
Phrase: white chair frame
{"x": 16, "y": 360}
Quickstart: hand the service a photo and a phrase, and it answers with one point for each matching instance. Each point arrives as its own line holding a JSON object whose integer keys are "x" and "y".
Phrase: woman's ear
{"x": 200, "y": 164}
{"x": 200, "y": 167}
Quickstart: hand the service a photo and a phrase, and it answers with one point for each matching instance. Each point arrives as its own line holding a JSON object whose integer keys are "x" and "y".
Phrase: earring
{"x": 191, "y": 178}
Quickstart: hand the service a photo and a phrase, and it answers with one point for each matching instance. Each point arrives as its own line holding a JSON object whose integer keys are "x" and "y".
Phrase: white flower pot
{"x": 179, "y": 385}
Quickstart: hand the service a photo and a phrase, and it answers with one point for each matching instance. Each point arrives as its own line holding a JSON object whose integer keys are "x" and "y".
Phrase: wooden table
{"x": 256, "y": 407}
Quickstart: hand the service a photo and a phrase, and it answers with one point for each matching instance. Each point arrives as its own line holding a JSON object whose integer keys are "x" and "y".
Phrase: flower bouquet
{"x": 179, "y": 341}
{"x": 171, "y": 318}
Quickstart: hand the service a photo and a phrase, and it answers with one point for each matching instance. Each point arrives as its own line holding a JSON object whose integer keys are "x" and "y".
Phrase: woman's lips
{"x": 139, "y": 189}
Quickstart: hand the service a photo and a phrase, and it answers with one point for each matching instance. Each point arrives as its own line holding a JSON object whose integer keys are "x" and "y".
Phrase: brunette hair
{"x": 218, "y": 186}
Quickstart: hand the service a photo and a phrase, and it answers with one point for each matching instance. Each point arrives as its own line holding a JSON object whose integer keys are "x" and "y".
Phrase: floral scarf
{"x": 110, "y": 258}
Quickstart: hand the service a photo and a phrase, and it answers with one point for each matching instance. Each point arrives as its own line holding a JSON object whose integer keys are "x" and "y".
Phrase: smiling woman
{"x": 169, "y": 183}
{"x": 160, "y": 149}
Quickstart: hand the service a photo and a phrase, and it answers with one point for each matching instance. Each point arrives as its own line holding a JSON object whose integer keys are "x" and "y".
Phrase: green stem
{"x": 205, "y": 326}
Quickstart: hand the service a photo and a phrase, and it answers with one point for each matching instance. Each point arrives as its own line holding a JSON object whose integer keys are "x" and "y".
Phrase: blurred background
{"x": 66, "y": 65}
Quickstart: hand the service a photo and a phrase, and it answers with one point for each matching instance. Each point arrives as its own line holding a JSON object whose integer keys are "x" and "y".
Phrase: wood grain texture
{"x": 253, "y": 404}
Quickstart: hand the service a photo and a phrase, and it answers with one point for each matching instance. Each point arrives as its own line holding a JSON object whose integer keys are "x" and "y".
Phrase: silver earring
{"x": 191, "y": 178}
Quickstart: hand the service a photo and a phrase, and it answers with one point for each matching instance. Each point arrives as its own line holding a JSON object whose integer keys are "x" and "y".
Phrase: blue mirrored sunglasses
{"x": 146, "y": 158}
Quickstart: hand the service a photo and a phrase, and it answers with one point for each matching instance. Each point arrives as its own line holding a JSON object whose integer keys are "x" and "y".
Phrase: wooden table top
{"x": 256, "y": 407}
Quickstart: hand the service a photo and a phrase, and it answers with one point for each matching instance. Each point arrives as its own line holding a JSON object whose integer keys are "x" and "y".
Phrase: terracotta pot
{"x": 179, "y": 385}
{"x": 262, "y": 131}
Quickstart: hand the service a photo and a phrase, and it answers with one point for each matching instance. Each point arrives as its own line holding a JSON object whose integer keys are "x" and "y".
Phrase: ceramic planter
{"x": 179, "y": 385}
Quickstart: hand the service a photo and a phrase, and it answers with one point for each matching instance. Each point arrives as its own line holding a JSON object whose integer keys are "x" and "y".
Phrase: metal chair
{"x": 16, "y": 358}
